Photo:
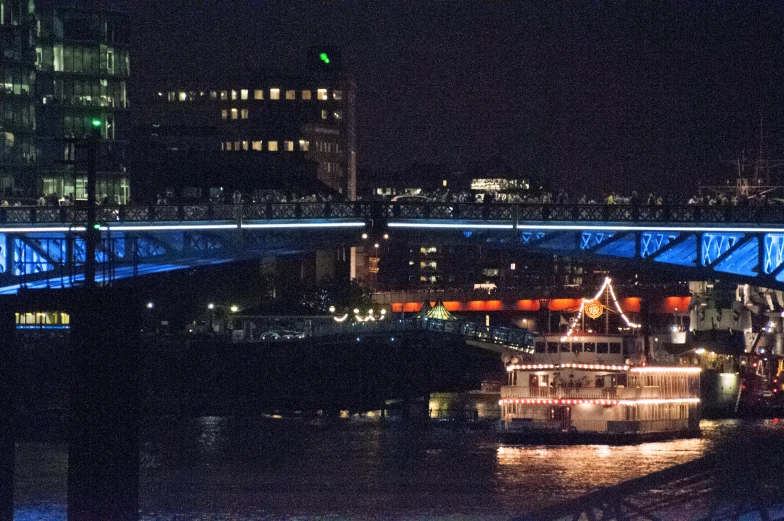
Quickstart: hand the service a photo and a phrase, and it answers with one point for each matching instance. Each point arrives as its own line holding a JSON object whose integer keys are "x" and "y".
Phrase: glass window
{"x": 258, "y": 94}
{"x": 563, "y": 347}
{"x": 233, "y": 94}
{"x": 229, "y": 146}
{"x": 213, "y": 95}
{"x": 615, "y": 347}
{"x": 599, "y": 382}
{"x": 552, "y": 347}
{"x": 291, "y": 94}
{"x": 244, "y": 94}
{"x": 183, "y": 96}
{"x": 288, "y": 146}
{"x": 224, "y": 114}
{"x": 245, "y": 145}
{"x": 236, "y": 145}
{"x": 338, "y": 114}
{"x": 602, "y": 347}
{"x": 337, "y": 95}
{"x": 577, "y": 347}
{"x": 58, "y": 58}
{"x": 540, "y": 347}
{"x": 234, "y": 113}
{"x": 244, "y": 114}
{"x": 324, "y": 114}
{"x": 321, "y": 94}
{"x": 256, "y": 145}
{"x": 304, "y": 145}
{"x": 306, "y": 94}
{"x": 224, "y": 95}
{"x": 274, "y": 93}
{"x": 590, "y": 347}
{"x": 272, "y": 146}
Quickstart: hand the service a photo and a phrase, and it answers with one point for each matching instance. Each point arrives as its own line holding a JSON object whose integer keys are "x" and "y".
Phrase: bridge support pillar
{"x": 103, "y": 452}
{"x": 8, "y": 373}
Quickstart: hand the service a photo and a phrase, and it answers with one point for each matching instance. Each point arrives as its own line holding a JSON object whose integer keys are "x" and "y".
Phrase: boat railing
{"x": 557, "y": 393}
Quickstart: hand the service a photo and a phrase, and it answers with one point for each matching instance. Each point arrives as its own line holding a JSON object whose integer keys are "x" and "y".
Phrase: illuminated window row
{"x": 326, "y": 146}
{"x": 234, "y": 114}
{"x": 259, "y": 146}
{"x": 255, "y": 94}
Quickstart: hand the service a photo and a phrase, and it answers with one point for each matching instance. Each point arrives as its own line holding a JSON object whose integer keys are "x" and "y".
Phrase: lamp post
{"x": 93, "y": 232}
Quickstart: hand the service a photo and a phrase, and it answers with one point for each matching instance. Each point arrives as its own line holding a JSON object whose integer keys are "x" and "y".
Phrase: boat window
{"x": 599, "y": 381}
{"x": 540, "y": 347}
{"x": 577, "y": 347}
{"x": 621, "y": 379}
{"x": 615, "y": 347}
{"x": 590, "y": 347}
{"x": 564, "y": 347}
{"x": 602, "y": 347}
{"x": 552, "y": 347}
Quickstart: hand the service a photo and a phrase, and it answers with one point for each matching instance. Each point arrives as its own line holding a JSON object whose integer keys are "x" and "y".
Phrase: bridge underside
{"x": 56, "y": 259}
{"x": 742, "y": 254}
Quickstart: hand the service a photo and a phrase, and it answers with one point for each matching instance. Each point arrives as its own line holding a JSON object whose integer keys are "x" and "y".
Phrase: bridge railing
{"x": 558, "y": 392}
{"x": 506, "y": 212}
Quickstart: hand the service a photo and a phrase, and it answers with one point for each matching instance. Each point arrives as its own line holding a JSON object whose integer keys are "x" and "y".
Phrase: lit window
{"x": 443, "y": 183}
{"x": 258, "y": 94}
{"x": 304, "y": 145}
{"x": 272, "y": 146}
{"x": 236, "y": 145}
{"x": 337, "y": 95}
{"x": 306, "y": 94}
{"x": 183, "y": 96}
{"x": 245, "y": 145}
{"x": 291, "y": 94}
{"x": 288, "y": 146}
{"x": 171, "y": 96}
{"x": 224, "y": 95}
{"x": 513, "y": 266}
{"x": 256, "y": 145}
{"x": 233, "y": 113}
{"x": 274, "y": 93}
{"x": 234, "y": 94}
{"x": 322, "y": 94}
{"x": 243, "y": 113}
{"x": 224, "y": 114}
{"x": 338, "y": 114}
{"x": 244, "y": 94}
{"x": 223, "y": 146}
{"x": 229, "y": 146}
{"x": 324, "y": 114}
{"x": 213, "y": 95}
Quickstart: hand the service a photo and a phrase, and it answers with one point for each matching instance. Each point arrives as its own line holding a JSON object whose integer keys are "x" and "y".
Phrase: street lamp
{"x": 211, "y": 306}
{"x": 234, "y": 308}
{"x": 331, "y": 309}
{"x": 150, "y": 305}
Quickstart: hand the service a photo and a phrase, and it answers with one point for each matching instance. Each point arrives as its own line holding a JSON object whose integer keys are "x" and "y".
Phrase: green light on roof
{"x": 324, "y": 57}
{"x": 96, "y": 122}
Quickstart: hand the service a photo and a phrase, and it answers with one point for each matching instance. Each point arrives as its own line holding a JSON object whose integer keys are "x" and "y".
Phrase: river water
{"x": 216, "y": 468}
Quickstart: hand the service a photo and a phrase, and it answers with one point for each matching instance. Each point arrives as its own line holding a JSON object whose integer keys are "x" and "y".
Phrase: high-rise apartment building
{"x": 65, "y": 66}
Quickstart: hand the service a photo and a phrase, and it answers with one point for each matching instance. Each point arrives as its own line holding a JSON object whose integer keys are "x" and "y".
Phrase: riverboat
{"x": 595, "y": 401}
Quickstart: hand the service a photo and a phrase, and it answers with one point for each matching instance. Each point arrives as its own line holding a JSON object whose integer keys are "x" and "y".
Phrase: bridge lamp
{"x": 370, "y": 311}
{"x": 364, "y": 236}
{"x": 331, "y": 309}
{"x": 210, "y": 306}
{"x": 150, "y": 305}
{"x": 375, "y": 245}
{"x": 383, "y": 311}
{"x": 356, "y": 311}
{"x": 386, "y": 236}
{"x": 234, "y": 308}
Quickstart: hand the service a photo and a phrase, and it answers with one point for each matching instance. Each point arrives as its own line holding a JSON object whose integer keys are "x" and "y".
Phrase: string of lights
{"x": 607, "y": 285}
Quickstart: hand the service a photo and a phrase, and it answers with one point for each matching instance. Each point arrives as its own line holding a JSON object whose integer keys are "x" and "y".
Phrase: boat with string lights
{"x": 587, "y": 386}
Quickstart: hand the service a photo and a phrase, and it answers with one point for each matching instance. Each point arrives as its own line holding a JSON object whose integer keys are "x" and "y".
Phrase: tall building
{"x": 17, "y": 107}
{"x": 64, "y": 65}
{"x": 270, "y": 118}
{"x": 83, "y": 67}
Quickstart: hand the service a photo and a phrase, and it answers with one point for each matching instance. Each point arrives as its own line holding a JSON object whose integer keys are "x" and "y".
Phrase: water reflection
{"x": 228, "y": 468}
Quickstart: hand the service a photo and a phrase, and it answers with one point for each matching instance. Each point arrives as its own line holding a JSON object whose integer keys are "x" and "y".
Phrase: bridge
{"x": 45, "y": 246}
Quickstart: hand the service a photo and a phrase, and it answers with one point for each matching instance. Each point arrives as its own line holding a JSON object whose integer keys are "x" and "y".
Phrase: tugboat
{"x": 585, "y": 387}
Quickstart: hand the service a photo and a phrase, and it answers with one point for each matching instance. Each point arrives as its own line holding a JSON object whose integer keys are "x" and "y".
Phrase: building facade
{"x": 268, "y": 114}
{"x": 65, "y": 67}
{"x": 83, "y": 67}
{"x": 17, "y": 106}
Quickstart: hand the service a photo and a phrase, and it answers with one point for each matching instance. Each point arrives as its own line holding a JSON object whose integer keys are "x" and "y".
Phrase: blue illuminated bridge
{"x": 45, "y": 247}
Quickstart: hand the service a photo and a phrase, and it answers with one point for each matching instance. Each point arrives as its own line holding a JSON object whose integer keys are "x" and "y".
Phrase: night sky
{"x": 591, "y": 95}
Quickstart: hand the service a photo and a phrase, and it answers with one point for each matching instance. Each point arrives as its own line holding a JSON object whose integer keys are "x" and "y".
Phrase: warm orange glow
{"x": 674, "y": 305}
{"x": 630, "y": 305}
{"x": 563, "y": 304}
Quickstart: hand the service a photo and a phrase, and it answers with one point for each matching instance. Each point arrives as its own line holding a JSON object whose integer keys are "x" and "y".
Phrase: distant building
{"x": 66, "y": 65}
{"x": 281, "y": 119}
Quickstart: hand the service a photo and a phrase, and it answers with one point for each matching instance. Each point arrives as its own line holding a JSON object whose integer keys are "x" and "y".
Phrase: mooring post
{"x": 103, "y": 451}
{"x": 8, "y": 360}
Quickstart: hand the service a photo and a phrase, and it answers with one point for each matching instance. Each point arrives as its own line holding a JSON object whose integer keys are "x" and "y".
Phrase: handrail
{"x": 364, "y": 210}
